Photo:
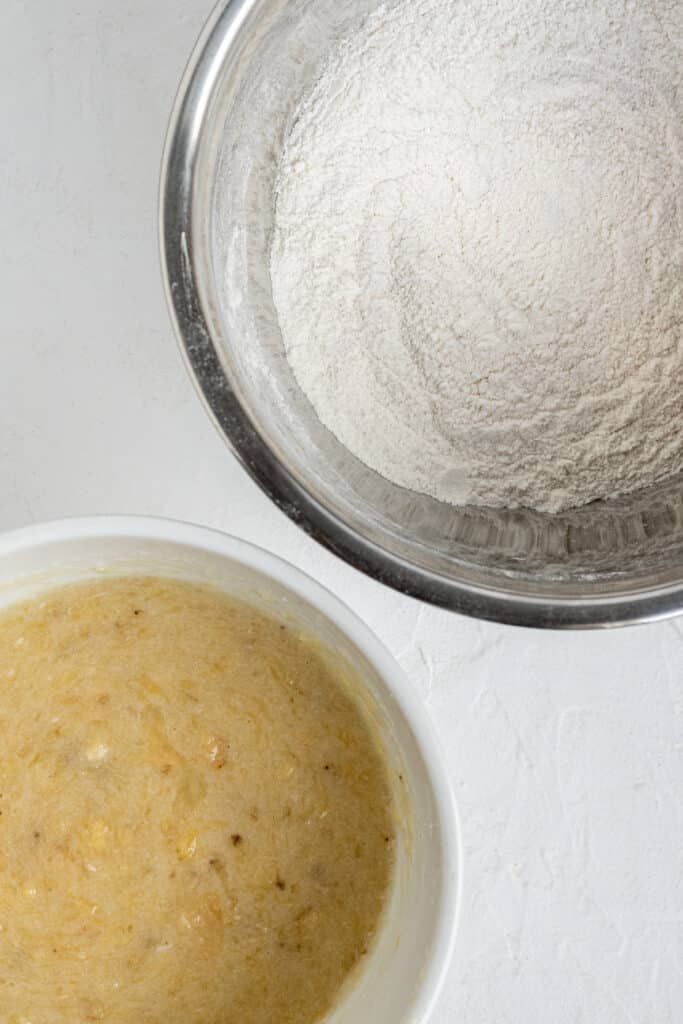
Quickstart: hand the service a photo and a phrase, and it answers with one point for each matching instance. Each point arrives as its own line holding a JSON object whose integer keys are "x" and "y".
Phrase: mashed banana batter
{"x": 195, "y": 818}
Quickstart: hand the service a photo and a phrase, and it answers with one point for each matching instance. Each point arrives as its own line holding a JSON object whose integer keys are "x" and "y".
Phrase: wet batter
{"x": 195, "y": 817}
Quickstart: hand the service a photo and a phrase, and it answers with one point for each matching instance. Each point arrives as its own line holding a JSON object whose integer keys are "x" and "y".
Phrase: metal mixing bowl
{"x": 605, "y": 564}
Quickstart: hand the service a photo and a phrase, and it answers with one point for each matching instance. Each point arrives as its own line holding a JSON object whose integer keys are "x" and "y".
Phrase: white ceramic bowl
{"x": 401, "y": 977}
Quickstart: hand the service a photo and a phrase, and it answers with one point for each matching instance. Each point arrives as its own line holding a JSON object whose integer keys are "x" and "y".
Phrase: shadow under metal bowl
{"x": 605, "y": 564}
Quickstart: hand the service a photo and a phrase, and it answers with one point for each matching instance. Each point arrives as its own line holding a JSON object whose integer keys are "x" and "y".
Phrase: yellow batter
{"x": 195, "y": 819}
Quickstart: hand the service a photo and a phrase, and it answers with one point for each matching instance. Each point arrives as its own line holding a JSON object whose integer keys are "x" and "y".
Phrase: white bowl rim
{"x": 215, "y": 541}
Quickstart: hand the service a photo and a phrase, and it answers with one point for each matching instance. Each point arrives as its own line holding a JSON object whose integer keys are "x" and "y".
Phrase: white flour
{"x": 478, "y": 255}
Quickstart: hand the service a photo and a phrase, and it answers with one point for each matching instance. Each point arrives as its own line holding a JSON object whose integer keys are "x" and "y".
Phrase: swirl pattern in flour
{"x": 477, "y": 260}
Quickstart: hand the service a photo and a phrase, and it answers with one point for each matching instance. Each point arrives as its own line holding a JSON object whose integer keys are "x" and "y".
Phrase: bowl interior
{"x": 265, "y": 58}
{"x": 399, "y": 978}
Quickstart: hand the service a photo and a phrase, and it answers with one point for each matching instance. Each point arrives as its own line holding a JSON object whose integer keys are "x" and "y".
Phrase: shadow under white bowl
{"x": 609, "y": 563}
{"x": 401, "y": 978}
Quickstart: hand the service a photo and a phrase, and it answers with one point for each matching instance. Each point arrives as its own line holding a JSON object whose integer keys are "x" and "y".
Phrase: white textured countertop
{"x": 566, "y": 750}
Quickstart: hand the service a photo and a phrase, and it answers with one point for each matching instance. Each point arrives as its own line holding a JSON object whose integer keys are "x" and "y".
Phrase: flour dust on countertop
{"x": 477, "y": 259}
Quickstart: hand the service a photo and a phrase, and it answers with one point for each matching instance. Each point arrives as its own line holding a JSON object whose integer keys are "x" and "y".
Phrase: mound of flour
{"x": 477, "y": 260}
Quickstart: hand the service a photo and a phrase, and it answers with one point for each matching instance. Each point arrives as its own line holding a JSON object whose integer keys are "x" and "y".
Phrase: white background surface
{"x": 565, "y": 750}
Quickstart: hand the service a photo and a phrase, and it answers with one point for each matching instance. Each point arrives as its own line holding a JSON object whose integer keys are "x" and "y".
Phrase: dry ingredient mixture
{"x": 478, "y": 251}
{"x": 195, "y": 820}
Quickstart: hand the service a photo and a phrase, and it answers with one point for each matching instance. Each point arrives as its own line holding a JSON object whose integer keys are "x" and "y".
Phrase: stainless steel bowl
{"x": 606, "y": 564}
